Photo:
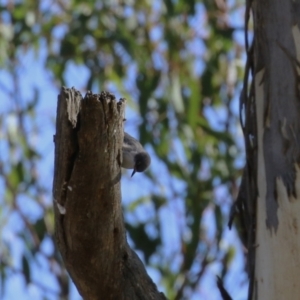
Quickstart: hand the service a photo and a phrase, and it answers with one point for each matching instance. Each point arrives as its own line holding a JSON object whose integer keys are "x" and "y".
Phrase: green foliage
{"x": 143, "y": 242}
{"x": 171, "y": 60}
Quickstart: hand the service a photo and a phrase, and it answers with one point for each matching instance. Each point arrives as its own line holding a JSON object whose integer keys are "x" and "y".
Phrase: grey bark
{"x": 90, "y": 232}
{"x": 275, "y": 52}
{"x": 270, "y": 120}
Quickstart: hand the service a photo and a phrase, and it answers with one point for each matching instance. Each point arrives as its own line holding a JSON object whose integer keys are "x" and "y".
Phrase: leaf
{"x": 3, "y": 278}
{"x": 26, "y": 269}
{"x": 40, "y": 228}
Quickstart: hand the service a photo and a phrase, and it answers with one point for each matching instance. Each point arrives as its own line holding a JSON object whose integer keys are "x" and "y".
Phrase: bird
{"x": 134, "y": 155}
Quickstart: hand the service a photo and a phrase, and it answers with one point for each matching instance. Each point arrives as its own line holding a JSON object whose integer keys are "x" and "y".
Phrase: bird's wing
{"x": 131, "y": 143}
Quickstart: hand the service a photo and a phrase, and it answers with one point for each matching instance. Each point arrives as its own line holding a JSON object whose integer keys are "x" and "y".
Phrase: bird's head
{"x": 142, "y": 161}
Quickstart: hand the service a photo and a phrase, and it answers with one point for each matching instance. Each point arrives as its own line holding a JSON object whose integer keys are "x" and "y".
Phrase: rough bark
{"x": 275, "y": 66}
{"x": 90, "y": 232}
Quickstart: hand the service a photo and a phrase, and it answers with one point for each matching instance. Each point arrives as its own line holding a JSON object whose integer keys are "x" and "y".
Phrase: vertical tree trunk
{"x": 277, "y": 100}
{"x": 90, "y": 231}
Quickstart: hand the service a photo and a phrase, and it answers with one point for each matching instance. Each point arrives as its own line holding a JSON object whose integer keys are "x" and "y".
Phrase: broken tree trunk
{"x": 90, "y": 231}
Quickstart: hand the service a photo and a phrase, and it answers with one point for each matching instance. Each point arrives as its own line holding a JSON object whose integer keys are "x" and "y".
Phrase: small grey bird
{"x": 134, "y": 155}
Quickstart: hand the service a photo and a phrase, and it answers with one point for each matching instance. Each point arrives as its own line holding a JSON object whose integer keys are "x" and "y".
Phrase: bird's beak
{"x": 133, "y": 172}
